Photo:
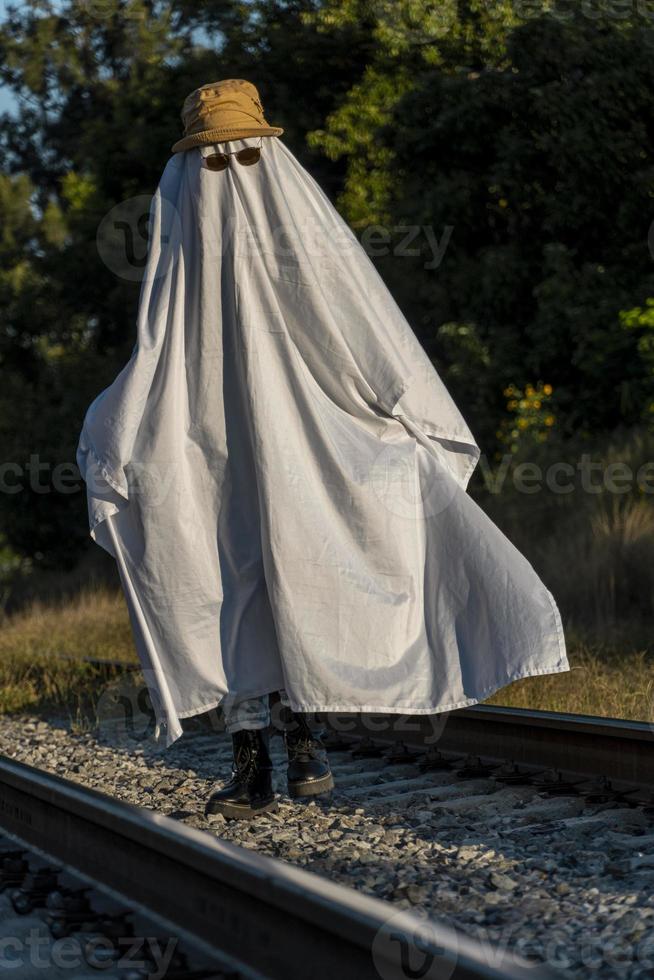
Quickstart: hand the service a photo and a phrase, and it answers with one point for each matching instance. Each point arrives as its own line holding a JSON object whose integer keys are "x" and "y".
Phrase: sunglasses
{"x": 246, "y": 157}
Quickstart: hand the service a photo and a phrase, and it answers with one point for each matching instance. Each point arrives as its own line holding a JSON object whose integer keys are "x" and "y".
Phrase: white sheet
{"x": 281, "y": 474}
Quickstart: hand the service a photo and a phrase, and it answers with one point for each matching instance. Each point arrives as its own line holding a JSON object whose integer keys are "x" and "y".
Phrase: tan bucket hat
{"x": 219, "y": 111}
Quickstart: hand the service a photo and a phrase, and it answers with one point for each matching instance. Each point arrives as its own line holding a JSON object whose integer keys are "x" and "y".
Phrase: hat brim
{"x": 222, "y": 136}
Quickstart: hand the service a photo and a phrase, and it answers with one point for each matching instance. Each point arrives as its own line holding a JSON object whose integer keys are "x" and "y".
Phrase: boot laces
{"x": 245, "y": 762}
{"x": 306, "y": 746}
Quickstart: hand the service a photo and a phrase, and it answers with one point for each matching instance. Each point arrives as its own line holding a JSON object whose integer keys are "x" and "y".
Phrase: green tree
{"x": 531, "y": 143}
{"x": 637, "y": 389}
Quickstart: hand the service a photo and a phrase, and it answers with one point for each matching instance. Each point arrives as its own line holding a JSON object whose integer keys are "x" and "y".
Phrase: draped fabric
{"x": 281, "y": 474}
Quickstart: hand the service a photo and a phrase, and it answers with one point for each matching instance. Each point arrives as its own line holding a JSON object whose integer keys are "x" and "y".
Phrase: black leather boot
{"x": 249, "y": 791}
{"x": 308, "y": 768}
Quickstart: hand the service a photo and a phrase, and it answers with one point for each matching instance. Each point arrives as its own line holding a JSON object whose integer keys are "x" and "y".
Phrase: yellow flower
{"x": 512, "y": 404}
{"x": 522, "y": 423}
{"x": 537, "y": 403}
{"x": 547, "y": 389}
{"x": 503, "y": 202}
{"x": 529, "y": 390}
{"x": 549, "y": 420}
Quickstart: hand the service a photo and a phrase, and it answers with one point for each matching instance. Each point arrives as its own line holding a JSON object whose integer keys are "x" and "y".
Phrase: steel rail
{"x": 589, "y": 745}
{"x": 580, "y": 745}
{"x": 273, "y": 919}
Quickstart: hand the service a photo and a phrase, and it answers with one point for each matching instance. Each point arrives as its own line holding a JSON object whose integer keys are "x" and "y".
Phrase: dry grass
{"x": 43, "y": 650}
{"x": 600, "y": 681}
{"x": 593, "y": 549}
{"x": 602, "y": 567}
{"x": 45, "y": 647}
{"x": 94, "y": 624}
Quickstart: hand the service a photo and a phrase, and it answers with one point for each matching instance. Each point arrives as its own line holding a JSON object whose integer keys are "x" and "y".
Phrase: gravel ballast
{"x": 548, "y": 877}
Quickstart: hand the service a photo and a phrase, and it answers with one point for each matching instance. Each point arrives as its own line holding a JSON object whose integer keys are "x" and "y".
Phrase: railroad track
{"x": 420, "y": 804}
{"x": 140, "y": 895}
{"x": 600, "y": 759}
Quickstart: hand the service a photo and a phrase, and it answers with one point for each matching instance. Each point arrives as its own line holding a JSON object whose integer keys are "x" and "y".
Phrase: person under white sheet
{"x": 280, "y": 472}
